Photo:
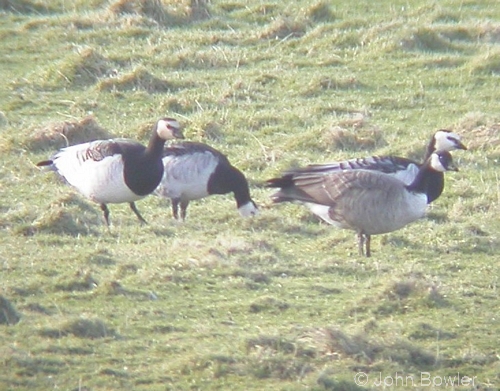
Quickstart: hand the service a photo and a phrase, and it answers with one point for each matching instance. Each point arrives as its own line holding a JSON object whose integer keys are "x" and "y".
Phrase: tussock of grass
{"x": 321, "y": 12}
{"x": 165, "y": 13}
{"x": 486, "y": 64}
{"x": 25, "y": 6}
{"x": 82, "y": 282}
{"x": 38, "y": 308}
{"x": 140, "y": 79}
{"x": 333, "y": 342}
{"x": 427, "y": 331}
{"x": 69, "y": 215}
{"x": 62, "y": 134}
{"x": 8, "y": 313}
{"x": 81, "y": 328}
{"x": 268, "y": 304}
{"x": 354, "y": 135}
{"x": 317, "y": 86}
{"x": 482, "y": 132}
{"x": 152, "y": 9}
{"x": 328, "y": 382}
{"x": 284, "y": 27}
{"x": 80, "y": 69}
{"x": 428, "y": 39}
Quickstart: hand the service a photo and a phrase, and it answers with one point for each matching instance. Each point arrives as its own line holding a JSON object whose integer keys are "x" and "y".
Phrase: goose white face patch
{"x": 436, "y": 163}
{"x": 248, "y": 210}
{"x": 168, "y": 129}
{"x": 447, "y": 141}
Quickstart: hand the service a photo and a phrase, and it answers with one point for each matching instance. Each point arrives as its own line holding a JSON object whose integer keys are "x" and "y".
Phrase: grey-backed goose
{"x": 368, "y": 202}
{"x": 117, "y": 170}
{"x": 404, "y": 169}
{"x": 195, "y": 170}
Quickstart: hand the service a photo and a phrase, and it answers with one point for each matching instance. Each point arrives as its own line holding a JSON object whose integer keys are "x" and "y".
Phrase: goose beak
{"x": 461, "y": 146}
{"x": 177, "y": 133}
{"x": 453, "y": 167}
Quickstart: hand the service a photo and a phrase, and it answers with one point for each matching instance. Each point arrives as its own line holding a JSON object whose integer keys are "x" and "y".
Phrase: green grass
{"x": 281, "y": 301}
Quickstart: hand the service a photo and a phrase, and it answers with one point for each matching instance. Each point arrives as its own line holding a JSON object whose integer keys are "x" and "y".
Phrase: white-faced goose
{"x": 195, "y": 170}
{"x": 368, "y": 202}
{"x": 404, "y": 169}
{"x": 117, "y": 170}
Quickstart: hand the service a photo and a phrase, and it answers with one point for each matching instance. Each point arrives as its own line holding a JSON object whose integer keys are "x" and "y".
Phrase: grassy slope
{"x": 281, "y": 301}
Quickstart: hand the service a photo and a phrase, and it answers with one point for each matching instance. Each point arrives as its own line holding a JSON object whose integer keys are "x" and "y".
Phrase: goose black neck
{"x": 155, "y": 145}
{"x": 431, "y": 148}
{"x": 143, "y": 168}
{"x": 428, "y": 181}
{"x": 227, "y": 179}
{"x": 241, "y": 191}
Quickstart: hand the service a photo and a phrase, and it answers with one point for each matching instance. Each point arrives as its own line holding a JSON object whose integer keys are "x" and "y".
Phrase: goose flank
{"x": 368, "y": 202}
{"x": 195, "y": 170}
{"x": 115, "y": 170}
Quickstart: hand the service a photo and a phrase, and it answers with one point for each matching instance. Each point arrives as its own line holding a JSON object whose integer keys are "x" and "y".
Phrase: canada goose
{"x": 404, "y": 169}
{"x": 195, "y": 170}
{"x": 116, "y": 170}
{"x": 368, "y": 202}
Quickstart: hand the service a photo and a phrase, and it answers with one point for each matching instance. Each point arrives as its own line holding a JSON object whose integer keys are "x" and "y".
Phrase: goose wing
{"x": 401, "y": 168}
{"x": 191, "y": 148}
{"x": 328, "y": 188}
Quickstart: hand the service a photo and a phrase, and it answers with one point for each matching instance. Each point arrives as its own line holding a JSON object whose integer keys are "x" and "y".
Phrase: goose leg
{"x": 175, "y": 208}
{"x": 134, "y": 208}
{"x": 367, "y": 242}
{"x": 105, "y": 211}
{"x": 361, "y": 243}
{"x": 184, "y": 205}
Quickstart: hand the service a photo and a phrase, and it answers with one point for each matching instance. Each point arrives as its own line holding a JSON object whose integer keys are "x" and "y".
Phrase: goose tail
{"x": 46, "y": 165}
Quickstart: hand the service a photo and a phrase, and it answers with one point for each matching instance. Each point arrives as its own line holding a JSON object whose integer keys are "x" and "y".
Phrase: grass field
{"x": 277, "y": 302}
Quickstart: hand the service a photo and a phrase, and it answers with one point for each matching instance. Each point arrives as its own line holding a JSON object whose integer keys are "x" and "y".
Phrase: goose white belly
{"x": 101, "y": 181}
{"x": 187, "y": 176}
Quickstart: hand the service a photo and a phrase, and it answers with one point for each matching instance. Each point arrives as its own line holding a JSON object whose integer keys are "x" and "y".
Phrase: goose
{"x": 368, "y": 202}
{"x": 194, "y": 170}
{"x": 115, "y": 170}
{"x": 404, "y": 169}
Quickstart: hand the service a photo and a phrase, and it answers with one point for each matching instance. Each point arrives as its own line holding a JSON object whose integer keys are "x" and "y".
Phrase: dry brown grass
{"x": 354, "y": 135}
{"x": 138, "y": 79}
{"x": 282, "y": 28}
{"x": 165, "y": 13}
{"x": 24, "y": 6}
{"x": 482, "y": 132}
{"x": 62, "y": 134}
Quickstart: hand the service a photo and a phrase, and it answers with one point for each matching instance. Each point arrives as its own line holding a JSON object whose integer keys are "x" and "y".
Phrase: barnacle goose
{"x": 116, "y": 170}
{"x": 404, "y": 169}
{"x": 368, "y": 202}
{"x": 194, "y": 170}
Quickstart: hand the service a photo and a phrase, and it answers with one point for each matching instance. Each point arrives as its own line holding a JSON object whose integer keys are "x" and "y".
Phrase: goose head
{"x": 442, "y": 161}
{"x": 249, "y": 209}
{"x": 446, "y": 140}
{"x": 168, "y": 129}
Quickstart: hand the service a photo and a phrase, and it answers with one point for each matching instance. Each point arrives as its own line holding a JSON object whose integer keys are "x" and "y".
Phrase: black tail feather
{"x": 45, "y": 163}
